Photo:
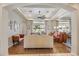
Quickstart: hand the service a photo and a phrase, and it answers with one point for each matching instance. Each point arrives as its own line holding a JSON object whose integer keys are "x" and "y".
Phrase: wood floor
{"x": 18, "y": 49}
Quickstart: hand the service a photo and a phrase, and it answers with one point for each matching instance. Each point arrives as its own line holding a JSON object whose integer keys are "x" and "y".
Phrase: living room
{"x": 24, "y": 22}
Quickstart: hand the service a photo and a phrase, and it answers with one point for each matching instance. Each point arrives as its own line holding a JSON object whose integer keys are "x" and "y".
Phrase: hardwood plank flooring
{"x": 18, "y": 49}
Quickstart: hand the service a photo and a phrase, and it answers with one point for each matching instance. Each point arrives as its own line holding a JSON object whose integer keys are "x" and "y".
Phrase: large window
{"x": 64, "y": 26}
{"x": 38, "y": 27}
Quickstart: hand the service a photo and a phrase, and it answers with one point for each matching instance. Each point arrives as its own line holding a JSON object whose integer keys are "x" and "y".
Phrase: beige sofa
{"x": 38, "y": 41}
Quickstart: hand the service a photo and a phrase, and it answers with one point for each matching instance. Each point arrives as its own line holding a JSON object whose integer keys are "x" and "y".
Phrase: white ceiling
{"x": 49, "y": 13}
{"x": 46, "y": 11}
{"x": 35, "y": 12}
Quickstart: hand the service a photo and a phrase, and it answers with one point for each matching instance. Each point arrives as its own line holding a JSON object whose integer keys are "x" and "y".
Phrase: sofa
{"x": 60, "y": 37}
{"x": 17, "y": 38}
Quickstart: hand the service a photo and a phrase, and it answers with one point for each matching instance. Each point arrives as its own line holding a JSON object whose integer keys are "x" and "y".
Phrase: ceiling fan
{"x": 40, "y": 16}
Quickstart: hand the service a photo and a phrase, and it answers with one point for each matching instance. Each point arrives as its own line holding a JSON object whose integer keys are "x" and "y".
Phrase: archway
{"x": 4, "y": 50}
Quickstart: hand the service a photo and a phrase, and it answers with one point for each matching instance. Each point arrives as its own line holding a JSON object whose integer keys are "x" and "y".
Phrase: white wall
{"x": 74, "y": 34}
{"x": 14, "y": 16}
{"x": 0, "y": 26}
{"x": 3, "y": 32}
{"x": 76, "y": 25}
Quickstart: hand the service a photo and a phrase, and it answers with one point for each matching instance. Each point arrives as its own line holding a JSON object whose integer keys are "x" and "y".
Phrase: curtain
{"x": 29, "y": 26}
{"x": 49, "y": 26}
